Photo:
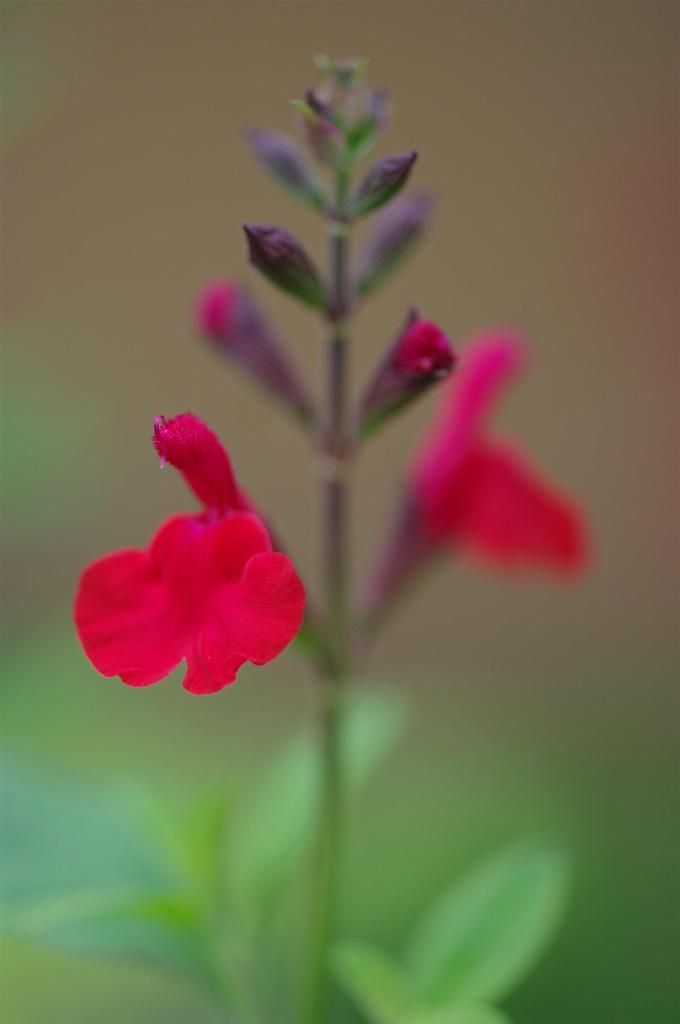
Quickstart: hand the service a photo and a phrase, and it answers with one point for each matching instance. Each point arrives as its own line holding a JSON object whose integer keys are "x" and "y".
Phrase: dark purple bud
{"x": 420, "y": 356}
{"x": 229, "y": 319}
{"x": 384, "y": 180}
{"x": 320, "y": 108}
{"x": 283, "y": 160}
{"x": 281, "y": 258}
{"x": 394, "y": 234}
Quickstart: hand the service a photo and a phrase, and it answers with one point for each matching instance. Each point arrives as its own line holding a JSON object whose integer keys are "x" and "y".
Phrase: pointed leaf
{"x": 84, "y": 870}
{"x": 161, "y": 931}
{"x": 477, "y": 1014}
{"x": 377, "y": 984}
{"x": 482, "y": 936}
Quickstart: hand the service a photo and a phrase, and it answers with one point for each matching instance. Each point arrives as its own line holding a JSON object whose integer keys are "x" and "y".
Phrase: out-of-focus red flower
{"x": 468, "y": 490}
{"x": 478, "y": 493}
{"x": 209, "y": 588}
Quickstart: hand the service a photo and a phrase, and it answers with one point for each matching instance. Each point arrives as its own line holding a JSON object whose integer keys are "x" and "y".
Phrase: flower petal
{"x": 486, "y": 368}
{"x": 253, "y": 620}
{"x": 234, "y": 542}
{"x": 189, "y": 445}
{"x": 126, "y": 621}
{"x": 510, "y": 516}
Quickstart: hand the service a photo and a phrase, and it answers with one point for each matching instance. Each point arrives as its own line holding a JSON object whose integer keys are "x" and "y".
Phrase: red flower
{"x": 479, "y": 493}
{"x": 474, "y": 492}
{"x": 209, "y": 589}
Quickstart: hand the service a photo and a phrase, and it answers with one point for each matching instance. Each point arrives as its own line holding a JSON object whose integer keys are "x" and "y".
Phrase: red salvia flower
{"x": 472, "y": 492}
{"x": 209, "y": 588}
{"x": 481, "y": 494}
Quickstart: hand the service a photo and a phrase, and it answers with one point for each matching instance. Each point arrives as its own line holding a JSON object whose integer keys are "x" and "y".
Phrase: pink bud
{"x": 215, "y": 308}
{"x": 232, "y": 322}
{"x": 421, "y": 355}
{"x": 424, "y": 349}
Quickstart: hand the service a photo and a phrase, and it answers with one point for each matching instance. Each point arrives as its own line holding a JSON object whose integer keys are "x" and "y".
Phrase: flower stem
{"x": 334, "y": 459}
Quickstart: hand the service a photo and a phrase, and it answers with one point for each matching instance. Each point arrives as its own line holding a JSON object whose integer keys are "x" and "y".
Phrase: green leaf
{"x": 377, "y": 984}
{"x": 84, "y": 870}
{"x": 162, "y": 931}
{"x": 277, "y": 824}
{"x": 62, "y": 836}
{"x": 485, "y": 934}
{"x": 310, "y": 640}
{"x": 478, "y": 1014}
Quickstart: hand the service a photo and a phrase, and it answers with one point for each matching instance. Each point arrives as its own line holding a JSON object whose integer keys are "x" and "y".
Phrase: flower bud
{"x": 345, "y": 72}
{"x": 323, "y": 136}
{"x": 281, "y": 258}
{"x": 395, "y": 232}
{"x": 284, "y": 162}
{"x": 230, "y": 320}
{"x": 384, "y": 179}
{"x": 370, "y": 119}
{"x": 420, "y": 356}
{"x": 353, "y": 107}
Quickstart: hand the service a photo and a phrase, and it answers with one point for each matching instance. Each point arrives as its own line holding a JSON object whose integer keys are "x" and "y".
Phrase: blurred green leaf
{"x": 277, "y": 825}
{"x": 65, "y": 836}
{"x": 481, "y": 937}
{"x": 460, "y": 1015}
{"x": 381, "y": 988}
{"x": 200, "y": 842}
{"x": 309, "y": 639}
{"x": 84, "y": 869}
{"x": 377, "y": 983}
{"x": 159, "y": 930}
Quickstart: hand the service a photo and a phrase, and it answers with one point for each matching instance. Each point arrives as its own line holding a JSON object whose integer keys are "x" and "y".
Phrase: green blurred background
{"x": 548, "y": 132}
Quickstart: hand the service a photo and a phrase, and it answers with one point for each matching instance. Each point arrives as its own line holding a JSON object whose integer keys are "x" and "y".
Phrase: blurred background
{"x": 549, "y": 133}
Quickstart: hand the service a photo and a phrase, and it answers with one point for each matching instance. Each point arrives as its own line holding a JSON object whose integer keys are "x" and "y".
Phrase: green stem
{"x": 334, "y": 457}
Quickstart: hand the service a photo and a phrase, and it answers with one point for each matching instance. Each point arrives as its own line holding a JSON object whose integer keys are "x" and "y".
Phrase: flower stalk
{"x": 334, "y": 459}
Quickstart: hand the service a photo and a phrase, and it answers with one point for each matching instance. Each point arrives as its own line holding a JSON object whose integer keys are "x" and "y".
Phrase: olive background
{"x": 548, "y": 133}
